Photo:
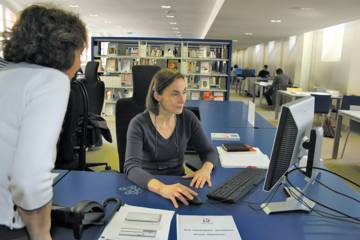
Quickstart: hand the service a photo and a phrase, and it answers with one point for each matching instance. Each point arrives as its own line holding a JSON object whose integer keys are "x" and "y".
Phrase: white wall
{"x": 303, "y": 62}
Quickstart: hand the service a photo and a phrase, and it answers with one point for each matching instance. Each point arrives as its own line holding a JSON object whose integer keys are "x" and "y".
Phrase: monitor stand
{"x": 296, "y": 200}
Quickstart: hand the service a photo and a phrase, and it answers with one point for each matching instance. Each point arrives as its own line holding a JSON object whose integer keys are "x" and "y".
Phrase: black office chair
{"x": 322, "y": 105}
{"x": 71, "y": 148}
{"x": 127, "y": 108}
{"x": 347, "y": 102}
{"x": 96, "y": 92}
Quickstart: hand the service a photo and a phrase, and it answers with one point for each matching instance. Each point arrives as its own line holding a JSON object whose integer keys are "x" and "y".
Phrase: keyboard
{"x": 238, "y": 185}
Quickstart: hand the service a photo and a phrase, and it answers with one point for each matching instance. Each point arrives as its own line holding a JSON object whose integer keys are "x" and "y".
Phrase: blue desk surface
{"x": 229, "y": 114}
{"x": 252, "y": 224}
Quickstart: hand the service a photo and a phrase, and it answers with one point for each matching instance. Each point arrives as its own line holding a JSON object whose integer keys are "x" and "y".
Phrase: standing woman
{"x": 43, "y": 53}
{"x": 158, "y": 137}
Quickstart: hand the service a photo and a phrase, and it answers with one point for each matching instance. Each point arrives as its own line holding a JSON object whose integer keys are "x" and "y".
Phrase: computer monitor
{"x": 294, "y": 140}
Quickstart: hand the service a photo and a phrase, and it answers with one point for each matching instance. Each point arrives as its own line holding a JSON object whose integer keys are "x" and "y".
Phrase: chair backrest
{"x": 127, "y": 108}
{"x": 68, "y": 157}
{"x": 94, "y": 87}
{"x": 346, "y": 103}
{"x": 322, "y": 103}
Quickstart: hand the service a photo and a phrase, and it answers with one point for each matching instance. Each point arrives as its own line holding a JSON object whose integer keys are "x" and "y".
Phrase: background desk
{"x": 230, "y": 114}
{"x": 352, "y": 115}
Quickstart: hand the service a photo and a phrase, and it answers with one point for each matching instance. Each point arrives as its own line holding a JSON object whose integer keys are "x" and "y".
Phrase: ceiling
{"x": 238, "y": 17}
{"x": 195, "y": 18}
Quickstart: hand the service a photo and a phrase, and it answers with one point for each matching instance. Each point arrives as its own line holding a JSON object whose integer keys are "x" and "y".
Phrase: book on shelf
{"x": 195, "y": 95}
{"x": 173, "y": 64}
{"x": 142, "y": 50}
{"x": 205, "y": 68}
{"x": 204, "y": 83}
{"x": 202, "y": 52}
{"x": 207, "y": 96}
{"x": 126, "y": 80}
{"x": 218, "y": 96}
{"x": 112, "y": 49}
{"x": 111, "y": 65}
{"x": 104, "y": 48}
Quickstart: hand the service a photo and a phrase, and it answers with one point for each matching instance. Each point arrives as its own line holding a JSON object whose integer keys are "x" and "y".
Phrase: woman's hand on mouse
{"x": 201, "y": 176}
{"x": 174, "y": 192}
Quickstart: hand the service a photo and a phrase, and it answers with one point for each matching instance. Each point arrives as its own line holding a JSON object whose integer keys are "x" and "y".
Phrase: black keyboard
{"x": 238, "y": 185}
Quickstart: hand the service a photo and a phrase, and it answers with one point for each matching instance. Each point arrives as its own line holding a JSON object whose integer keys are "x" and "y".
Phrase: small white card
{"x": 251, "y": 113}
{"x": 206, "y": 227}
{"x": 225, "y": 136}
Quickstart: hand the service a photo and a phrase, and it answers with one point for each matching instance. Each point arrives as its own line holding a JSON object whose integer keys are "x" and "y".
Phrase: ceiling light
{"x": 301, "y": 8}
{"x": 73, "y": 6}
{"x": 107, "y": 22}
{"x": 248, "y": 34}
{"x": 275, "y": 20}
{"x": 175, "y": 28}
{"x": 93, "y": 15}
{"x": 235, "y": 40}
{"x": 306, "y": 8}
{"x": 172, "y": 23}
{"x": 177, "y": 32}
{"x": 165, "y": 6}
{"x": 170, "y": 16}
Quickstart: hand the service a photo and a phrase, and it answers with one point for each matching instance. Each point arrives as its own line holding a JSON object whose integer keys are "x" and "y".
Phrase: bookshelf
{"x": 204, "y": 63}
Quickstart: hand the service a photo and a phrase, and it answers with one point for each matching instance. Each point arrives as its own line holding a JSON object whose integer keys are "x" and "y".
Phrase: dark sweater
{"x": 148, "y": 153}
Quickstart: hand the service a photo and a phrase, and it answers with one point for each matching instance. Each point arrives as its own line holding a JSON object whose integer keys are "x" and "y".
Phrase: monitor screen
{"x": 295, "y": 124}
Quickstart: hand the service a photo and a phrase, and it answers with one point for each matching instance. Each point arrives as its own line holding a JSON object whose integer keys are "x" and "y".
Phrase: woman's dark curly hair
{"x": 47, "y": 36}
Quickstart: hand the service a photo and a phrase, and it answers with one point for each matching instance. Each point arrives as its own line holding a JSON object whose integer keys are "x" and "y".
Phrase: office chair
{"x": 71, "y": 147}
{"x": 347, "y": 103}
{"x": 322, "y": 105}
{"x": 127, "y": 108}
{"x": 96, "y": 94}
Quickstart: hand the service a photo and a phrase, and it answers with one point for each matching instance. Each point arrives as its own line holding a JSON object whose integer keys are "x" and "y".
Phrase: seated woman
{"x": 157, "y": 140}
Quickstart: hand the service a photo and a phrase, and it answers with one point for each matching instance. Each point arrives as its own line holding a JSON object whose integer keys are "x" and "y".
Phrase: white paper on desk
{"x": 243, "y": 159}
{"x": 251, "y": 113}
{"x": 206, "y": 228}
{"x": 138, "y": 223}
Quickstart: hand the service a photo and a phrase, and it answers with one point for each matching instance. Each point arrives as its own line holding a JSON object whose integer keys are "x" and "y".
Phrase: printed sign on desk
{"x": 251, "y": 113}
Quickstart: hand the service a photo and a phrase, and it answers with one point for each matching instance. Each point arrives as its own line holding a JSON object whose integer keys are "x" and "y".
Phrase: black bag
{"x": 328, "y": 129}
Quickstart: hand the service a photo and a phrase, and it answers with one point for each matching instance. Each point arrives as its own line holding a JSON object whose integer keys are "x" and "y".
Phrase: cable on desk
{"x": 343, "y": 217}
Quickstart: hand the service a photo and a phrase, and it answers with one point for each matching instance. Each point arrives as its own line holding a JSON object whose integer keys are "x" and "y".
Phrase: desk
{"x": 77, "y": 186}
{"x": 231, "y": 114}
{"x": 296, "y": 95}
{"x": 350, "y": 114}
{"x": 262, "y": 86}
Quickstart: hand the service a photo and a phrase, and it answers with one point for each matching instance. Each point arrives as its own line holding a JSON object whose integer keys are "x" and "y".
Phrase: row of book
{"x": 122, "y": 80}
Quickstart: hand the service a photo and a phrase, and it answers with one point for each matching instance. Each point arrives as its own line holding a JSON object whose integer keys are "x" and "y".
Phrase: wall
{"x": 303, "y": 61}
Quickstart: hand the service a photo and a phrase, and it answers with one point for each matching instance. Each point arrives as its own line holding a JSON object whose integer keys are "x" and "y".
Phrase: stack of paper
{"x": 243, "y": 159}
{"x": 225, "y": 136}
{"x": 132, "y": 222}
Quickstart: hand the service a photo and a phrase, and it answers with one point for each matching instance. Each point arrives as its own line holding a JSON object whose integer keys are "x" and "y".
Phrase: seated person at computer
{"x": 157, "y": 140}
{"x": 281, "y": 82}
{"x": 264, "y": 73}
{"x": 42, "y": 53}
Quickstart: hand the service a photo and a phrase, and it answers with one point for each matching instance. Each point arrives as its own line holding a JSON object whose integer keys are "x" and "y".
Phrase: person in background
{"x": 264, "y": 73}
{"x": 42, "y": 54}
{"x": 281, "y": 82}
{"x": 158, "y": 137}
{"x": 235, "y": 78}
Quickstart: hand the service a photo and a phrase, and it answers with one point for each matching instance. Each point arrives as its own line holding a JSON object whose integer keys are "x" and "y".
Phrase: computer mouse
{"x": 93, "y": 211}
{"x": 195, "y": 201}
